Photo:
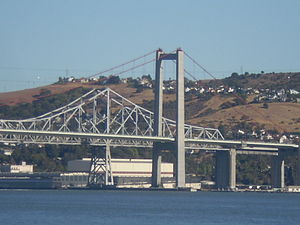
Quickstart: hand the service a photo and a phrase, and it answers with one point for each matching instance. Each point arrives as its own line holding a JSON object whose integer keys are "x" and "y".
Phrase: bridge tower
{"x": 158, "y": 113}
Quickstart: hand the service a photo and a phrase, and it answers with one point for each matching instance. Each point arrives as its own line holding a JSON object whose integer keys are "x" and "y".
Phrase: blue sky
{"x": 41, "y": 40}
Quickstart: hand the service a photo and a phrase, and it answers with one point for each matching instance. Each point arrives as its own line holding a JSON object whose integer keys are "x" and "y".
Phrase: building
{"x": 124, "y": 167}
{"x": 291, "y": 189}
{"x": 126, "y": 172}
{"x": 77, "y": 180}
{"x": 6, "y": 151}
{"x": 23, "y": 168}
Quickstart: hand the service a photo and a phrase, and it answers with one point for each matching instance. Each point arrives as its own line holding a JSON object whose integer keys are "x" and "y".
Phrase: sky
{"x": 41, "y": 40}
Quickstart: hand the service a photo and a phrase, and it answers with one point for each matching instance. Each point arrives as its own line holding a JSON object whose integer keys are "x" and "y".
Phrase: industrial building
{"x": 126, "y": 172}
{"x": 23, "y": 168}
{"x": 23, "y": 177}
{"x": 124, "y": 167}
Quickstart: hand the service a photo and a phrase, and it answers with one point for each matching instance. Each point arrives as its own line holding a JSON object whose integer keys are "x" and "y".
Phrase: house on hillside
{"x": 282, "y": 95}
{"x": 126, "y": 80}
{"x": 283, "y": 139}
{"x": 230, "y": 90}
{"x": 83, "y": 80}
{"x": 256, "y": 91}
{"x": 70, "y": 79}
{"x": 202, "y": 90}
{"x": 6, "y": 151}
{"x": 93, "y": 79}
{"x": 294, "y": 92}
{"x": 146, "y": 81}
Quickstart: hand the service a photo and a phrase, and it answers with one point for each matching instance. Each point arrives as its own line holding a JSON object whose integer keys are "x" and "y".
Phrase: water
{"x": 142, "y": 207}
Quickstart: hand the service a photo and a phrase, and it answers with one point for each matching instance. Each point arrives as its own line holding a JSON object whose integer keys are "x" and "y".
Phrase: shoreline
{"x": 147, "y": 190}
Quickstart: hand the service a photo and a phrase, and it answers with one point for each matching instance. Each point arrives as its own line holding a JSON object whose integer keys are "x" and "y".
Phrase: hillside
{"x": 206, "y": 109}
{"x": 30, "y": 95}
{"x": 283, "y": 117}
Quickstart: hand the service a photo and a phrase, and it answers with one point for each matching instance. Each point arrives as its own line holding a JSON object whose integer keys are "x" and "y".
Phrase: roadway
{"x": 243, "y": 147}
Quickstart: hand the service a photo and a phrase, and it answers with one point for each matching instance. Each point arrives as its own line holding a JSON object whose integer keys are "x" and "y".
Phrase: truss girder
{"x": 98, "y": 112}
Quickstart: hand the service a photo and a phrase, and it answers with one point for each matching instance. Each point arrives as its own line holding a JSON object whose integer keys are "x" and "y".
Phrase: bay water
{"x": 75, "y": 207}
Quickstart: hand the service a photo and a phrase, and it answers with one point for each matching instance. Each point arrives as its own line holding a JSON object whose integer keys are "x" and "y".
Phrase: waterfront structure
{"x": 72, "y": 180}
{"x": 126, "y": 172}
{"x": 123, "y": 167}
{"x": 23, "y": 168}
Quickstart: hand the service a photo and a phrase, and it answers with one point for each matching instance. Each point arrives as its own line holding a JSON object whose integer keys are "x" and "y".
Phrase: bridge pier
{"x": 277, "y": 173}
{"x": 226, "y": 169}
{"x": 100, "y": 174}
{"x": 156, "y": 167}
{"x": 297, "y": 181}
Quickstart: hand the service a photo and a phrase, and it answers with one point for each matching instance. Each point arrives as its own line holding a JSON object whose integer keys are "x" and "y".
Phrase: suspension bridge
{"x": 102, "y": 117}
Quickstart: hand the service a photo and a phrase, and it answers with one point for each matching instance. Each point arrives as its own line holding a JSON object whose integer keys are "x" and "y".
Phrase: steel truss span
{"x": 98, "y": 117}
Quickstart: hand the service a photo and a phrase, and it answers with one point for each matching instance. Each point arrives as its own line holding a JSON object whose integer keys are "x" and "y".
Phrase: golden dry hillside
{"x": 283, "y": 117}
{"x": 280, "y": 116}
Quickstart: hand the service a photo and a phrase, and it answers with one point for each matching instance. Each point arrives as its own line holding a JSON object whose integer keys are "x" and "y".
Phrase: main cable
{"x": 123, "y": 64}
{"x": 140, "y": 65}
{"x": 198, "y": 64}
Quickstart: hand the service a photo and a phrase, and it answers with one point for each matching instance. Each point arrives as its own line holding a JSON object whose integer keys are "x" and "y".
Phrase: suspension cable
{"x": 134, "y": 67}
{"x": 140, "y": 65}
{"x": 194, "y": 61}
{"x": 123, "y": 64}
{"x": 187, "y": 72}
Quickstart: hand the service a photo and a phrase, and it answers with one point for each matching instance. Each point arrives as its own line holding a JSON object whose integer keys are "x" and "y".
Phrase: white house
{"x": 294, "y": 92}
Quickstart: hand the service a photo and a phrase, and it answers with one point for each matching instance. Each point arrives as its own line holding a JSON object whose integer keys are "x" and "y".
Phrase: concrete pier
{"x": 226, "y": 169}
{"x": 277, "y": 174}
{"x": 297, "y": 181}
{"x": 156, "y": 167}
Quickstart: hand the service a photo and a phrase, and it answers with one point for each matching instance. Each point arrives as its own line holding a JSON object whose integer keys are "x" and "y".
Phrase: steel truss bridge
{"x": 102, "y": 117}
{"x": 97, "y": 118}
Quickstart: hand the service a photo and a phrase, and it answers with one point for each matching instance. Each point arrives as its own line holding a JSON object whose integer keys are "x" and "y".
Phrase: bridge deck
{"x": 243, "y": 147}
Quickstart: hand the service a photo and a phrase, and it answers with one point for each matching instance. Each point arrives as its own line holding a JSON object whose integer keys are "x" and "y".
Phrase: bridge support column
{"x": 158, "y": 110}
{"x": 180, "y": 136}
{"x": 278, "y": 171}
{"x": 109, "y": 179}
{"x": 226, "y": 169}
{"x": 100, "y": 169}
{"x": 156, "y": 167}
{"x": 297, "y": 182}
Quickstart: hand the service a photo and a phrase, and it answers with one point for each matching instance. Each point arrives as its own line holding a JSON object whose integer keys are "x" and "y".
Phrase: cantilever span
{"x": 98, "y": 113}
